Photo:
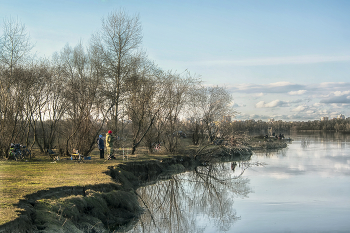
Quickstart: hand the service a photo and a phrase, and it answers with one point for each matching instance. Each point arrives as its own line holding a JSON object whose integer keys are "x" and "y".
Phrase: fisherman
{"x": 109, "y": 144}
{"x": 101, "y": 146}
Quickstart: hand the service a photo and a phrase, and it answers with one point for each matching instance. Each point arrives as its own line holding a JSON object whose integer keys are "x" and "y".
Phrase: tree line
{"x": 259, "y": 126}
{"x": 66, "y": 101}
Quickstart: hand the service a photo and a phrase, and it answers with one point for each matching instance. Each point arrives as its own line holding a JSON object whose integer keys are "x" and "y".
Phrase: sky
{"x": 282, "y": 59}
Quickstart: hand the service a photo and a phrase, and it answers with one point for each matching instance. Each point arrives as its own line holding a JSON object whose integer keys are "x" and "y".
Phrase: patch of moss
{"x": 93, "y": 213}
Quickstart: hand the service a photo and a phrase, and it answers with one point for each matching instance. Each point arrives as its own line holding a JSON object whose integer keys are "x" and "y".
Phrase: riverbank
{"x": 108, "y": 206}
{"x": 269, "y": 144}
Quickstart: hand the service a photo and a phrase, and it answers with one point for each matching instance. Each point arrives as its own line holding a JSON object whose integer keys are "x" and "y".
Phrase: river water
{"x": 302, "y": 188}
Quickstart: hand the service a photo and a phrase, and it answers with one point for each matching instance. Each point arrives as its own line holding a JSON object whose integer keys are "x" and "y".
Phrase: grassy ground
{"x": 18, "y": 179}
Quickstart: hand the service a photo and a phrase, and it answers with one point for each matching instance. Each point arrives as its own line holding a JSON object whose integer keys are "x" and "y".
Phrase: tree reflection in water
{"x": 188, "y": 201}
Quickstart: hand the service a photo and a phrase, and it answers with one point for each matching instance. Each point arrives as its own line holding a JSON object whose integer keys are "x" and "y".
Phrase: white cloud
{"x": 340, "y": 93}
{"x": 260, "y": 104}
{"x": 299, "y": 108}
{"x": 261, "y": 89}
{"x": 235, "y": 105}
{"x": 337, "y": 99}
{"x": 300, "y": 92}
{"x": 336, "y": 105}
{"x": 330, "y": 84}
{"x": 243, "y": 116}
{"x": 334, "y": 114}
{"x": 299, "y": 102}
{"x": 244, "y": 86}
{"x": 323, "y": 112}
{"x": 272, "y": 104}
{"x": 280, "y": 84}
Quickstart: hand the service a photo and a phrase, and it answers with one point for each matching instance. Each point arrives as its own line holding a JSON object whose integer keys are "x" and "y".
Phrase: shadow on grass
{"x": 104, "y": 207}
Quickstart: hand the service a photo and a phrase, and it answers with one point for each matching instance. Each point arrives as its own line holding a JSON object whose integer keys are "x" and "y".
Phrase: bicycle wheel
{"x": 20, "y": 154}
{"x": 15, "y": 155}
{"x": 26, "y": 153}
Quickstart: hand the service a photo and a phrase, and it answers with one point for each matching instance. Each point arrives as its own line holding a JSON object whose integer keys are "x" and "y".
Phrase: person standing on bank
{"x": 101, "y": 147}
{"x": 109, "y": 144}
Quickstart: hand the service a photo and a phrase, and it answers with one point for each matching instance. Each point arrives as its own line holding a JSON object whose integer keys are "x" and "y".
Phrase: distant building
{"x": 271, "y": 120}
{"x": 324, "y": 118}
{"x": 341, "y": 116}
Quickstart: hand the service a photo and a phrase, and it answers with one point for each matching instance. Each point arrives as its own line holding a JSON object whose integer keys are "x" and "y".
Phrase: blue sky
{"x": 288, "y": 60}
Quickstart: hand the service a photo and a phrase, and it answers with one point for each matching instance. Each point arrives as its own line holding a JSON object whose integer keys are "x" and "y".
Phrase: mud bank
{"x": 259, "y": 146}
{"x": 108, "y": 207}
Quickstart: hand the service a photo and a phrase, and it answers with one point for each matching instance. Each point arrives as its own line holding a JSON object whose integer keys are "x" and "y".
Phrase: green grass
{"x": 18, "y": 179}
{"x": 21, "y": 178}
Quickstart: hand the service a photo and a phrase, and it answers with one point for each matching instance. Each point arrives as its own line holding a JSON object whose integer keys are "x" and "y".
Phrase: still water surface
{"x": 303, "y": 188}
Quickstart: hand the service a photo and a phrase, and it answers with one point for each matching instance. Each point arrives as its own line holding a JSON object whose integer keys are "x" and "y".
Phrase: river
{"x": 302, "y": 188}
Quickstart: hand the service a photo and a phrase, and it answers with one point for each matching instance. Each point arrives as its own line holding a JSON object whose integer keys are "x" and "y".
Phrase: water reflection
{"x": 305, "y": 143}
{"x": 321, "y": 136}
{"x": 308, "y": 186}
{"x": 303, "y": 188}
{"x": 187, "y": 202}
{"x": 273, "y": 152}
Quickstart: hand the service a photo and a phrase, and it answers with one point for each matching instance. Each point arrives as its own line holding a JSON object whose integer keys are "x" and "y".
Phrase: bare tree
{"x": 34, "y": 82}
{"x": 177, "y": 95}
{"x": 80, "y": 127}
{"x": 11, "y": 108}
{"x": 116, "y": 43}
{"x": 211, "y": 104}
{"x": 14, "y": 49}
{"x": 143, "y": 91}
{"x": 15, "y": 44}
{"x": 51, "y": 106}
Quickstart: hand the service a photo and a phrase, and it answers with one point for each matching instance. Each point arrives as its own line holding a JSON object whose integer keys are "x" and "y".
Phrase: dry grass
{"x": 18, "y": 179}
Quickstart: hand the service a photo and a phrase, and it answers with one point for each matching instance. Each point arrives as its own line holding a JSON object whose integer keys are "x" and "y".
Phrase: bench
{"x": 53, "y": 155}
{"x": 77, "y": 155}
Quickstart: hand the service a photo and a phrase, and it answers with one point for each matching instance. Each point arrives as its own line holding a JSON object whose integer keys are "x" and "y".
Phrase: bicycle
{"x": 18, "y": 152}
